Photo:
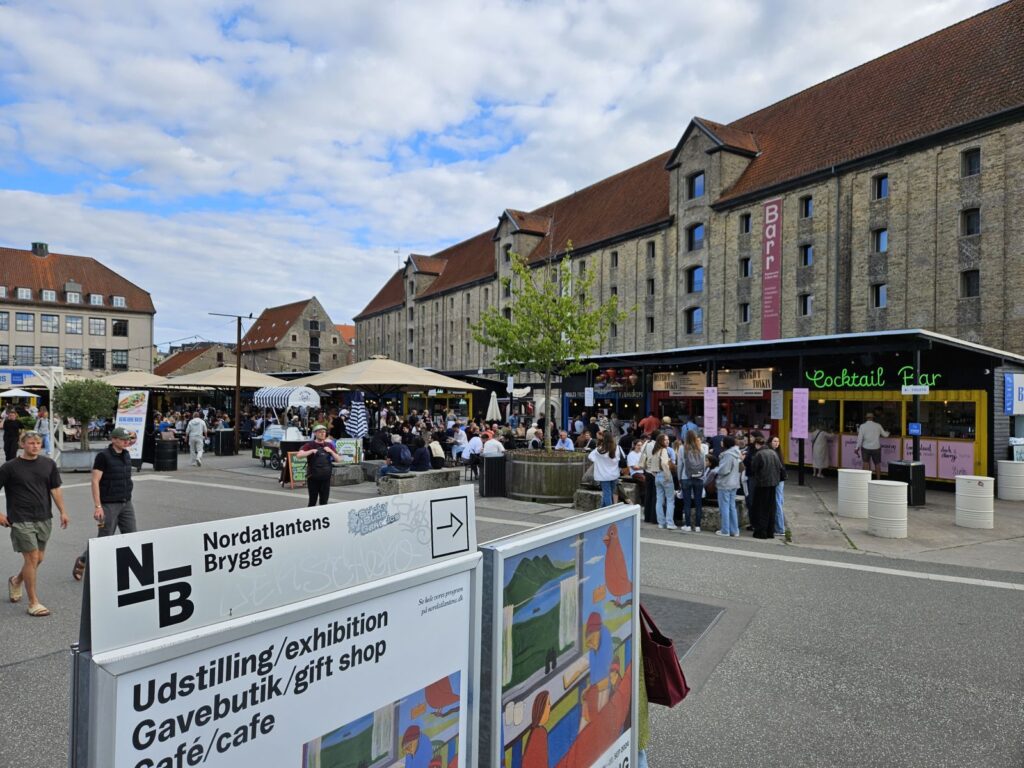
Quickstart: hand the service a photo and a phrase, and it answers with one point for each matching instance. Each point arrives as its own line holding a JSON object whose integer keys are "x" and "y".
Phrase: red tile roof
{"x": 428, "y": 265}
{"x": 959, "y": 75}
{"x": 178, "y": 360}
{"x": 347, "y": 333}
{"x": 467, "y": 262}
{"x": 390, "y": 296}
{"x": 271, "y": 326}
{"x": 23, "y": 269}
{"x": 729, "y": 137}
{"x": 530, "y": 223}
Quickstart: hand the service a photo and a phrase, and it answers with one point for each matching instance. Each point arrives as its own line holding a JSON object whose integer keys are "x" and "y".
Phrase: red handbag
{"x": 664, "y": 678}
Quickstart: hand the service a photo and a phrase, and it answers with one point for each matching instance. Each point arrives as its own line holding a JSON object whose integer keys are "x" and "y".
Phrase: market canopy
{"x": 286, "y": 397}
{"x": 224, "y": 378}
{"x": 135, "y": 379}
{"x": 17, "y": 393}
{"x": 380, "y": 374}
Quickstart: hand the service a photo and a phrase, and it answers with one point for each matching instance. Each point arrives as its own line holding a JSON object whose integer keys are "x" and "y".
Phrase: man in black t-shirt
{"x": 30, "y": 482}
{"x": 111, "y": 492}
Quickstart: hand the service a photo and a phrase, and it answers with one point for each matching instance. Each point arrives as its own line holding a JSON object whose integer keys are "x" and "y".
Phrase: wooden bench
{"x": 407, "y": 482}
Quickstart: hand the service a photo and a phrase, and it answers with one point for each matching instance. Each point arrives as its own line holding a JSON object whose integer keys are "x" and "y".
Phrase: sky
{"x": 230, "y": 156}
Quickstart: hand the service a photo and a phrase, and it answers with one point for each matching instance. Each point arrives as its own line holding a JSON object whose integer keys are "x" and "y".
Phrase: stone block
{"x": 586, "y": 500}
{"x": 409, "y": 482}
{"x": 711, "y": 516}
{"x": 348, "y": 474}
{"x": 629, "y": 493}
{"x": 370, "y": 468}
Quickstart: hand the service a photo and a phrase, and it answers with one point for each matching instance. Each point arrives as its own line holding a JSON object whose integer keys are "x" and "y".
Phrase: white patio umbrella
{"x": 18, "y": 393}
{"x": 223, "y": 378}
{"x": 135, "y": 379}
{"x": 380, "y": 374}
{"x": 493, "y": 411}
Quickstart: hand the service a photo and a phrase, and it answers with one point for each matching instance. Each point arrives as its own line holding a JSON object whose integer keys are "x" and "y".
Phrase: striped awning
{"x": 286, "y": 397}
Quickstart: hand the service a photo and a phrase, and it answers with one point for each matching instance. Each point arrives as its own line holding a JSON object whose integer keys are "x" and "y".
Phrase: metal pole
{"x": 238, "y": 380}
{"x": 917, "y": 404}
{"x": 800, "y": 441}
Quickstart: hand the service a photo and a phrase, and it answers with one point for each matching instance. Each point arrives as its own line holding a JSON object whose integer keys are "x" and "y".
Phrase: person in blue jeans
{"x": 606, "y": 468}
{"x": 780, "y": 518}
{"x": 691, "y": 480}
{"x": 659, "y": 465}
{"x": 730, "y": 464}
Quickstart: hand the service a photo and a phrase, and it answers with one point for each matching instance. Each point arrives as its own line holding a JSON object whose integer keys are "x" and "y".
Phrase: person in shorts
{"x": 869, "y": 444}
{"x": 32, "y": 482}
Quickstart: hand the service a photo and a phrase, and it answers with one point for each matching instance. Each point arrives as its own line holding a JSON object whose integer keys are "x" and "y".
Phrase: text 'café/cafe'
{"x": 964, "y": 429}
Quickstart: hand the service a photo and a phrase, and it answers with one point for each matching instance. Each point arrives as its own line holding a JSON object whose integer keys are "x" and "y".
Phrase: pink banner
{"x": 710, "y": 411}
{"x": 929, "y": 455}
{"x": 771, "y": 271}
{"x": 955, "y": 458}
{"x": 850, "y": 460}
{"x": 794, "y": 451}
{"x": 801, "y": 399}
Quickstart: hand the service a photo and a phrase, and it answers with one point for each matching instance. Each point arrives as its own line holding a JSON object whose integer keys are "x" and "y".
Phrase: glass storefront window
{"x": 947, "y": 419}
{"x": 823, "y": 415}
{"x": 887, "y": 413}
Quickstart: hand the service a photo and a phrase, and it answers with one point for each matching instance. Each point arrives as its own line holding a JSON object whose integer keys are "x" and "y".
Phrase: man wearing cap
{"x": 111, "y": 492}
{"x": 417, "y": 748}
{"x": 667, "y": 428}
{"x": 320, "y": 456}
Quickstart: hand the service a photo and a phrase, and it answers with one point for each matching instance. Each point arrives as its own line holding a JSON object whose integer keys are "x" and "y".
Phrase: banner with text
{"x": 801, "y": 403}
{"x": 771, "y": 271}
{"x": 131, "y": 414}
{"x": 710, "y": 411}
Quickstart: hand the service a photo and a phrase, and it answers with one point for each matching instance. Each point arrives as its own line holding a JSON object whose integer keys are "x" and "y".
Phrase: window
{"x": 615, "y": 330}
{"x": 970, "y": 162}
{"x": 744, "y": 314}
{"x": 120, "y": 328}
{"x": 314, "y": 342}
{"x": 506, "y": 290}
{"x": 650, "y": 249}
{"x": 744, "y": 223}
{"x": 24, "y": 293}
{"x": 695, "y": 237}
{"x": 5, "y": 321}
{"x": 5, "y": 354}
{"x": 73, "y": 325}
{"x": 118, "y": 301}
{"x": 970, "y": 283}
{"x": 614, "y": 290}
{"x": 695, "y": 280}
{"x": 73, "y": 359}
{"x": 97, "y": 326}
{"x": 412, "y": 337}
{"x": 970, "y": 221}
{"x": 745, "y": 267}
{"x": 582, "y": 267}
{"x": 220, "y": 358}
{"x": 314, "y": 325}
{"x": 487, "y": 295}
{"x": 507, "y": 312}
{"x": 24, "y": 321}
{"x": 650, "y": 324}
{"x": 73, "y": 297}
{"x": 24, "y": 355}
{"x": 96, "y": 299}
{"x": 49, "y": 295}
{"x": 294, "y": 355}
{"x": 806, "y": 207}
{"x": 49, "y": 356}
{"x": 97, "y": 359}
{"x": 695, "y": 320}
{"x": 805, "y": 304}
{"x": 467, "y": 299}
{"x": 695, "y": 185}
{"x": 880, "y": 186}
{"x": 49, "y": 324}
{"x": 467, "y": 349}
{"x": 412, "y": 314}
{"x": 3, "y": 291}
{"x": 615, "y": 259}
{"x": 806, "y": 255}
{"x": 880, "y": 240}
{"x": 650, "y": 286}
{"x": 314, "y": 358}
{"x": 507, "y": 251}
{"x": 879, "y": 296}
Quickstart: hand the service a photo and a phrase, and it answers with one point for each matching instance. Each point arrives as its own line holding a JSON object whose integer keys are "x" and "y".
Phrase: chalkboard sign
{"x": 297, "y": 470}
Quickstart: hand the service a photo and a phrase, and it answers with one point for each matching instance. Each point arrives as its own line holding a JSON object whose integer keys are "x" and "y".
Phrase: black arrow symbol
{"x": 452, "y": 521}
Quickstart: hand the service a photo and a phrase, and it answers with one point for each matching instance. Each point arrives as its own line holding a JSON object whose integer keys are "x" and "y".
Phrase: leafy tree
{"x": 550, "y": 329}
{"x": 85, "y": 400}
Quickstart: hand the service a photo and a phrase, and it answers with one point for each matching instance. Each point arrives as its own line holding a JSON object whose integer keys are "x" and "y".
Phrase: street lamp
{"x": 238, "y": 371}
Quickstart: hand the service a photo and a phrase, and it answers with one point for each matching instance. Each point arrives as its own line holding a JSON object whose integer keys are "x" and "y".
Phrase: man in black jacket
{"x": 111, "y": 492}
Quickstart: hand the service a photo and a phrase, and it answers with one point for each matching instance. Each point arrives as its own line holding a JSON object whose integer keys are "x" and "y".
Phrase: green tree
{"x": 85, "y": 400}
{"x": 552, "y": 324}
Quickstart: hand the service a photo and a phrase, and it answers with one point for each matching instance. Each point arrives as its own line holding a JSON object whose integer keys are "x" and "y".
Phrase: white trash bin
{"x": 1011, "y": 480}
{"x": 974, "y": 495}
{"x": 887, "y": 509}
{"x": 853, "y": 492}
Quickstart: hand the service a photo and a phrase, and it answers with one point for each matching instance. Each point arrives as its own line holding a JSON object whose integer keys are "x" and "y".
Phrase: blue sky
{"x": 231, "y": 156}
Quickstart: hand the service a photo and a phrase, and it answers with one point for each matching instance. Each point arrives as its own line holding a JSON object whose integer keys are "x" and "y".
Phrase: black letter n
{"x": 127, "y": 562}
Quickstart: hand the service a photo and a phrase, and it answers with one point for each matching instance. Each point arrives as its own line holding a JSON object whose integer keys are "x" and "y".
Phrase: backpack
{"x": 405, "y": 455}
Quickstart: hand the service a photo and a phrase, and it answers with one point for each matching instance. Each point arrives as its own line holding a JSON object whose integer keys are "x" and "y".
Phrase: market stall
{"x": 277, "y": 441}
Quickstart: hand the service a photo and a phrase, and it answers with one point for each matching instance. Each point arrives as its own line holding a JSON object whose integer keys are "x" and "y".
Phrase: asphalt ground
{"x": 814, "y": 656}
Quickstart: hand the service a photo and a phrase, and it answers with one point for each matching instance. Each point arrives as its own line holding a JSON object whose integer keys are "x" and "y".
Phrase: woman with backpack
{"x": 691, "y": 480}
{"x": 605, "y": 459}
{"x": 659, "y": 465}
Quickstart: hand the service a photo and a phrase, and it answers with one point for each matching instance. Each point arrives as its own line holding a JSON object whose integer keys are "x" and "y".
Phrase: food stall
{"x": 277, "y": 440}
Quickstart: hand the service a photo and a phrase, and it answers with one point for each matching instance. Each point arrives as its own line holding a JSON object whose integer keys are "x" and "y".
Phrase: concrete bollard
{"x": 887, "y": 509}
{"x": 974, "y": 496}
{"x": 1011, "y": 480}
{"x": 853, "y": 492}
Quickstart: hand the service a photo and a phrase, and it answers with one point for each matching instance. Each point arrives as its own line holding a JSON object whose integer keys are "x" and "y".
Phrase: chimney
{"x": 41, "y": 250}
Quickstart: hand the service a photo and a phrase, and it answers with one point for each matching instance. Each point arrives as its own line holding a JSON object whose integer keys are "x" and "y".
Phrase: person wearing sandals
{"x": 32, "y": 483}
{"x": 111, "y": 492}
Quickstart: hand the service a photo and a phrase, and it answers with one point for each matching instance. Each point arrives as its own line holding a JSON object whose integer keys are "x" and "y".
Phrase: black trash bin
{"x": 492, "y": 476}
{"x": 165, "y": 458}
{"x": 223, "y": 442}
{"x": 911, "y": 473}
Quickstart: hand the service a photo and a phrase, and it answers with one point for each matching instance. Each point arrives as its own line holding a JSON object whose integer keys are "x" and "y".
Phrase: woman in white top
{"x": 606, "y": 468}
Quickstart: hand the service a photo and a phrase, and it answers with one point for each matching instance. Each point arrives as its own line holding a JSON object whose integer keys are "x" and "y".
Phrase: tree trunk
{"x": 547, "y": 409}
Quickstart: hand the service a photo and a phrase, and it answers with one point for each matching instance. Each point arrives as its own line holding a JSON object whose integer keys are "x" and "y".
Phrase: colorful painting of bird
{"x": 440, "y": 697}
{"x": 616, "y": 574}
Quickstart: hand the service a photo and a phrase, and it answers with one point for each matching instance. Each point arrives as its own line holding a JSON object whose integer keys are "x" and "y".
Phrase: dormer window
{"x": 695, "y": 185}
{"x": 73, "y": 297}
{"x": 24, "y": 293}
{"x": 3, "y": 291}
{"x": 119, "y": 301}
{"x": 96, "y": 299}
{"x": 49, "y": 295}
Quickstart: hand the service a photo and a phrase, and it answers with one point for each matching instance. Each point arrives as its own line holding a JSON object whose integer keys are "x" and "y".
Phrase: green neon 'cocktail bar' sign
{"x": 873, "y": 379}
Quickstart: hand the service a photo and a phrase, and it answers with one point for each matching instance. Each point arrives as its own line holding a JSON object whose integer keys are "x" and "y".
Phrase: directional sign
{"x": 449, "y": 533}
{"x": 914, "y": 389}
{"x": 914, "y": 428}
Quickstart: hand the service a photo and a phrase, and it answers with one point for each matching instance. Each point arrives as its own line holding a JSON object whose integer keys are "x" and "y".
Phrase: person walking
{"x": 31, "y": 483}
{"x": 660, "y": 467}
{"x": 780, "y": 518}
{"x": 730, "y": 467}
{"x": 605, "y": 459}
{"x": 195, "y": 434}
{"x": 766, "y": 471}
{"x": 691, "y": 480}
{"x": 43, "y": 427}
{"x": 869, "y": 444}
{"x": 12, "y": 428}
{"x": 320, "y": 456}
{"x": 111, "y": 492}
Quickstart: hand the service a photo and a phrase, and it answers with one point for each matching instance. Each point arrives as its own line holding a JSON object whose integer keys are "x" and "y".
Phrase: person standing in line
{"x": 869, "y": 444}
{"x": 715, "y": 443}
{"x": 605, "y": 459}
{"x": 320, "y": 456}
{"x": 650, "y": 500}
{"x": 12, "y": 428}
{"x": 691, "y": 480}
{"x": 650, "y": 423}
{"x": 766, "y": 471}
{"x": 195, "y": 433}
{"x": 43, "y": 427}
{"x": 750, "y": 492}
{"x": 31, "y": 483}
{"x": 730, "y": 466}
{"x": 821, "y": 439}
{"x": 780, "y": 517}
{"x": 634, "y": 461}
{"x": 660, "y": 467}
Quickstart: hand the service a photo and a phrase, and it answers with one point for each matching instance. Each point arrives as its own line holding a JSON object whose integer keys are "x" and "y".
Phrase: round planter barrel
{"x": 545, "y": 477}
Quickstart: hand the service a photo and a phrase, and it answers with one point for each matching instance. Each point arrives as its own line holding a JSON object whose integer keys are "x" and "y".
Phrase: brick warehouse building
{"x": 892, "y": 195}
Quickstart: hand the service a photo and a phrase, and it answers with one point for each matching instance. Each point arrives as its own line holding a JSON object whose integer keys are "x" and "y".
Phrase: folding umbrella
{"x": 493, "y": 411}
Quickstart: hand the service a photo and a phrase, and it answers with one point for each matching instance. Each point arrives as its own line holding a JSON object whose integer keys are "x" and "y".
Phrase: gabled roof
{"x": 271, "y": 326}
{"x": 23, "y": 269}
{"x": 390, "y": 296}
{"x": 467, "y": 262}
{"x": 723, "y": 136}
{"x": 528, "y": 223}
{"x": 427, "y": 265}
{"x": 179, "y": 360}
{"x": 347, "y": 333}
{"x": 958, "y": 76}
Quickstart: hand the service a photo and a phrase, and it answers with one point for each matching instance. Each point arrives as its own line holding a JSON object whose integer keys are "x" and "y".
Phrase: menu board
{"x": 956, "y": 457}
{"x": 929, "y": 455}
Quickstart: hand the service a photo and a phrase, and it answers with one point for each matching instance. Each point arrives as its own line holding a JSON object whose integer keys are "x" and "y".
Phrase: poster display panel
{"x": 929, "y": 455}
{"x": 350, "y": 450}
{"x": 956, "y": 457}
{"x": 710, "y": 410}
{"x": 131, "y": 414}
{"x": 801, "y": 401}
{"x": 560, "y": 636}
{"x": 771, "y": 271}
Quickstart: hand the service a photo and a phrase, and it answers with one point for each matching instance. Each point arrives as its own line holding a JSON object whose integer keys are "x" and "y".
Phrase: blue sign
{"x": 17, "y": 378}
{"x": 1008, "y": 393}
{"x": 914, "y": 429}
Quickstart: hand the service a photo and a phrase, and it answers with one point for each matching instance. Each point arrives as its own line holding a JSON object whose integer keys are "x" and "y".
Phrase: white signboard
{"x": 914, "y": 389}
{"x": 710, "y": 411}
{"x": 778, "y": 404}
{"x": 588, "y": 396}
{"x": 158, "y": 583}
{"x": 131, "y": 414}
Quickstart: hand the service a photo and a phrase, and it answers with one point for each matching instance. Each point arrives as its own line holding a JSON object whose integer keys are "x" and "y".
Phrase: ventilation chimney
{"x": 42, "y": 250}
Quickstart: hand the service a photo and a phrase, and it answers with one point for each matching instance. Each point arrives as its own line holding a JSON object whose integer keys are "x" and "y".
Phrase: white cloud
{"x": 279, "y": 146}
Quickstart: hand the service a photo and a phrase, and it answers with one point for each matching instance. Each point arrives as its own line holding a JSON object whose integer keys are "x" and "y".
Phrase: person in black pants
{"x": 320, "y": 457}
{"x": 12, "y": 428}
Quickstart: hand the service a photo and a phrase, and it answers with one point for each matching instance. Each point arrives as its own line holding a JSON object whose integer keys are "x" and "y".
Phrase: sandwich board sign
{"x": 560, "y": 647}
{"x": 336, "y": 635}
